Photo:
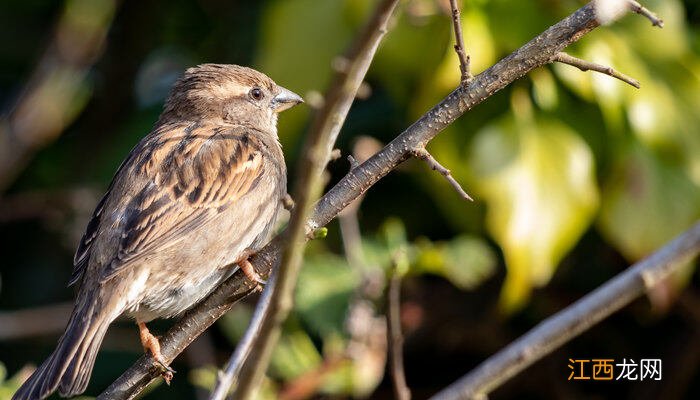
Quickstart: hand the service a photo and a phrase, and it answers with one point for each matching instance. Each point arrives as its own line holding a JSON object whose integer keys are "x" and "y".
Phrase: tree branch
{"x": 575, "y": 319}
{"x": 584, "y": 65}
{"x": 535, "y": 53}
{"x": 395, "y": 337}
{"x": 464, "y": 59}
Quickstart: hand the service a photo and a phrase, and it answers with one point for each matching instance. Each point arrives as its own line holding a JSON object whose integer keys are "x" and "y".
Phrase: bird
{"x": 192, "y": 201}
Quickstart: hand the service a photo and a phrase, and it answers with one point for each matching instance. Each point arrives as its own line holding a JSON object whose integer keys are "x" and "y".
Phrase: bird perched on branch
{"x": 192, "y": 201}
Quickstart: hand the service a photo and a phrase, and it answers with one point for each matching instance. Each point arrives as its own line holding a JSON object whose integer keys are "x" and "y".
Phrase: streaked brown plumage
{"x": 191, "y": 201}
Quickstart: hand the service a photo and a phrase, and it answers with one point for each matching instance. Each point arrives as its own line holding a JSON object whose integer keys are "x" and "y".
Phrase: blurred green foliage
{"x": 575, "y": 174}
{"x": 7, "y": 386}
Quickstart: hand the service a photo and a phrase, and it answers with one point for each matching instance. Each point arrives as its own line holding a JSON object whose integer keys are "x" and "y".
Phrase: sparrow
{"x": 188, "y": 206}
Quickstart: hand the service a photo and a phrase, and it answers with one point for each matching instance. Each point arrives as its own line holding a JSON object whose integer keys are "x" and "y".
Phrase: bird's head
{"x": 224, "y": 93}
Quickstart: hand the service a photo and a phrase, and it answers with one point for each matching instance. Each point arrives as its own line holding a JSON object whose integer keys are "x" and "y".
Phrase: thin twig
{"x": 584, "y": 65}
{"x": 349, "y": 223}
{"x": 352, "y": 240}
{"x": 575, "y": 319}
{"x": 367, "y": 342}
{"x": 395, "y": 337}
{"x": 227, "y": 378}
{"x": 464, "y": 59}
{"x": 352, "y": 161}
{"x": 318, "y": 151}
{"x": 639, "y": 9}
{"x": 534, "y": 54}
{"x": 424, "y": 155}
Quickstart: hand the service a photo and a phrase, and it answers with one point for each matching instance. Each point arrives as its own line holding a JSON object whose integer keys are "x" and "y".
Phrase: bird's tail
{"x": 69, "y": 367}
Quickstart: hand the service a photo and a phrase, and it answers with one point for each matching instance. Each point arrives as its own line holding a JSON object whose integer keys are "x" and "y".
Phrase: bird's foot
{"x": 287, "y": 202}
{"x": 252, "y": 275}
{"x": 166, "y": 372}
{"x": 249, "y": 270}
{"x": 151, "y": 345}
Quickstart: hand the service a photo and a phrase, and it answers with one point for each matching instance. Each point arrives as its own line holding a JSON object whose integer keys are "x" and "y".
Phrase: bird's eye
{"x": 256, "y": 93}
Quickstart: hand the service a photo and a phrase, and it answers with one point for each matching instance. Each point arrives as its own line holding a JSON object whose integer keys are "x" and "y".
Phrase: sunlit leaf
{"x": 205, "y": 378}
{"x": 537, "y": 179}
{"x": 663, "y": 120}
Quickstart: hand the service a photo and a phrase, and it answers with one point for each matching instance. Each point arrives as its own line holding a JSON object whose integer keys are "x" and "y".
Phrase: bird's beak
{"x": 284, "y": 100}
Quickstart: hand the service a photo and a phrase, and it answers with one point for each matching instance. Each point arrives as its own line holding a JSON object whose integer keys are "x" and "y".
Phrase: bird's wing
{"x": 194, "y": 174}
{"x": 82, "y": 254}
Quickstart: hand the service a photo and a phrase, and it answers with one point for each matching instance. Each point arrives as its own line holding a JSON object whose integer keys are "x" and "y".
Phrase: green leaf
{"x": 394, "y": 234}
{"x": 469, "y": 261}
{"x": 466, "y": 261}
{"x": 294, "y": 355}
{"x": 320, "y": 233}
{"x": 8, "y": 386}
{"x": 326, "y": 283}
{"x": 537, "y": 179}
{"x": 646, "y": 203}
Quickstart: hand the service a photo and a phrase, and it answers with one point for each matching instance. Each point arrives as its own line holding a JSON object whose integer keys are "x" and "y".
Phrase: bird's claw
{"x": 252, "y": 275}
{"x": 165, "y": 371}
{"x": 151, "y": 346}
